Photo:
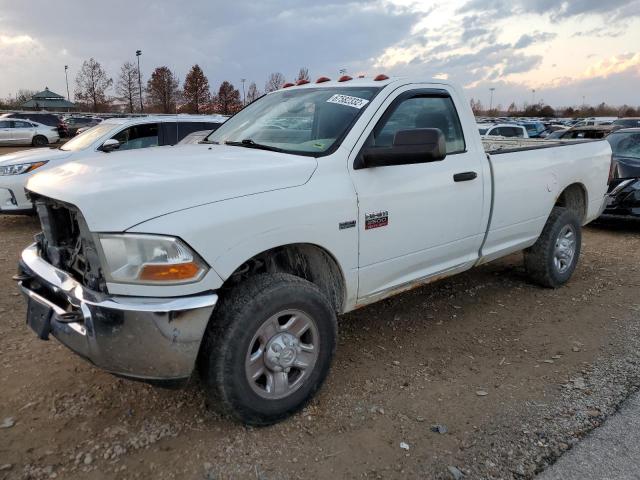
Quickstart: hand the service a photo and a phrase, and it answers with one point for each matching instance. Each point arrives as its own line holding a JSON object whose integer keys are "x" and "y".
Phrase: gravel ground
{"x": 508, "y": 375}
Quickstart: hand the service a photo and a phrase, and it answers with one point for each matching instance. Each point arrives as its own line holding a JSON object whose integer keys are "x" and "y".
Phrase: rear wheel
{"x": 40, "y": 141}
{"x": 268, "y": 348}
{"x": 552, "y": 260}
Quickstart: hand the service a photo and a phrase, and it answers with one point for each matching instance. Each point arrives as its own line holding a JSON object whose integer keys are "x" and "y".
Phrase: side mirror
{"x": 110, "y": 145}
{"x": 420, "y": 145}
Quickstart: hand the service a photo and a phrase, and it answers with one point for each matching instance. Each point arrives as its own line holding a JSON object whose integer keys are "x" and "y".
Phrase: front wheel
{"x": 268, "y": 348}
{"x": 552, "y": 260}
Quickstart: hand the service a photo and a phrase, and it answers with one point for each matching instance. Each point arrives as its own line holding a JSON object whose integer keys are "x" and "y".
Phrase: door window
{"x": 421, "y": 112}
{"x": 20, "y": 124}
{"x": 138, "y": 136}
{"x": 5, "y": 124}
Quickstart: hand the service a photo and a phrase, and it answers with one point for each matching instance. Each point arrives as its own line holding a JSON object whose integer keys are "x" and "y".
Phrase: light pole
{"x": 244, "y": 98}
{"x": 138, "y": 53}
{"x": 492, "y": 89}
{"x": 66, "y": 67}
{"x": 533, "y": 96}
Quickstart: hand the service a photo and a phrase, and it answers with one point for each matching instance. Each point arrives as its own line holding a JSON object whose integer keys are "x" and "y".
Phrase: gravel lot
{"x": 512, "y": 374}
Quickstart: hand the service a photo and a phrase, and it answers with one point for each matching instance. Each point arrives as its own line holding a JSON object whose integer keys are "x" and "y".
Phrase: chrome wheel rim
{"x": 282, "y": 354}
{"x": 565, "y": 249}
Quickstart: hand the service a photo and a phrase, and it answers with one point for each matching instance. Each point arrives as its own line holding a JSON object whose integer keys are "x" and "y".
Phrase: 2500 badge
{"x": 376, "y": 220}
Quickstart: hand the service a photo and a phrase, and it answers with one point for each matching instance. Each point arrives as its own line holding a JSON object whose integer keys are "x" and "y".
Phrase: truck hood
{"x": 117, "y": 191}
{"x": 34, "y": 155}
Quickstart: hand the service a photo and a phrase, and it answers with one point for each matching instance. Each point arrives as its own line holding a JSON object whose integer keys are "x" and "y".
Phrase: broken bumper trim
{"x": 142, "y": 338}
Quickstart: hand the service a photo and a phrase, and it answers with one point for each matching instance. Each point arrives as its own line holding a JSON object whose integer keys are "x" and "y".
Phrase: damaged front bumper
{"x": 624, "y": 198}
{"x": 155, "y": 339}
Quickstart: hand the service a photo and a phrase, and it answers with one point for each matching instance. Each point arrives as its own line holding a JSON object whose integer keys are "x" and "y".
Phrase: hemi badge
{"x": 376, "y": 220}
{"x": 345, "y": 225}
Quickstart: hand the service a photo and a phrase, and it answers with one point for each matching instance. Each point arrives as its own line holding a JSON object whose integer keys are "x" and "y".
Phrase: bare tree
{"x": 476, "y": 106}
{"x": 196, "y": 90}
{"x": 303, "y": 74}
{"x": 14, "y": 101}
{"x": 275, "y": 82}
{"x": 253, "y": 93}
{"x": 91, "y": 84}
{"x": 162, "y": 90}
{"x": 127, "y": 84}
{"x": 228, "y": 99}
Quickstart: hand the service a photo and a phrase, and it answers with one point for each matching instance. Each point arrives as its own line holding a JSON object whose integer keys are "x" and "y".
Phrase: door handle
{"x": 464, "y": 176}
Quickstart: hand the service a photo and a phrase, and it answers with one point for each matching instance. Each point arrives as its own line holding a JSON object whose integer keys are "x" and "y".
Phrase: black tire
{"x": 228, "y": 340}
{"x": 39, "y": 141}
{"x": 539, "y": 260}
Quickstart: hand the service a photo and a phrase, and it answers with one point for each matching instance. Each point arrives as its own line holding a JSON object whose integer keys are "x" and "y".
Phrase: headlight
{"x": 20, "y": 169}
{"x": 150, "y": 259}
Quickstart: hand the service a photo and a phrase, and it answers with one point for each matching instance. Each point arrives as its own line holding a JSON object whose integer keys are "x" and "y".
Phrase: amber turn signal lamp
{"x": 162, "y": 273}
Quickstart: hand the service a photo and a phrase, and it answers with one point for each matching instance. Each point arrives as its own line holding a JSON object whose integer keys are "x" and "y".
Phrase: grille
{"x": 65, "y": 242}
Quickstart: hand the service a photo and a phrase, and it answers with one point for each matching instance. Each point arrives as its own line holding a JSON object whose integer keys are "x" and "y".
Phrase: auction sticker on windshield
{"x": 348, "y": 100}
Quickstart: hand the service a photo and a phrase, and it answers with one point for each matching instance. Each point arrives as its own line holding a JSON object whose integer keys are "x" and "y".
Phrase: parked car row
{"x": 544, "y": 128}
{"x": 67, "y": 125}
{"x": 112, "y": 135}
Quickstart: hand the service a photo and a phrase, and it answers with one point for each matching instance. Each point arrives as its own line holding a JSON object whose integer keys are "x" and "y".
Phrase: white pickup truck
{"x": 311, "y": 202}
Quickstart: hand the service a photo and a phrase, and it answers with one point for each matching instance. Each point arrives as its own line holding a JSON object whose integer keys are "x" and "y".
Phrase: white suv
{"x": 26, "y": 132}
{"x": 110, "y": 136}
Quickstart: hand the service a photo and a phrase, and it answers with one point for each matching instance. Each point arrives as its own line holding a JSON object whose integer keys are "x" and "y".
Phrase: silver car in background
{"x": 26, "y": 132}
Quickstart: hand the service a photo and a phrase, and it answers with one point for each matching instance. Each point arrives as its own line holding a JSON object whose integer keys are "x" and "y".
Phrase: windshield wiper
{"x": 248, "y": 143}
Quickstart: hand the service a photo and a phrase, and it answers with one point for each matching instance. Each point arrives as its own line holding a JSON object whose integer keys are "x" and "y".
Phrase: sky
{"x": 569, "y": 52}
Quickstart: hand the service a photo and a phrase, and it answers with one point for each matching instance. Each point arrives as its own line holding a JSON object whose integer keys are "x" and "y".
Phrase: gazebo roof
{"x": 48, "y": 99}
{"x": 47, "y": 94}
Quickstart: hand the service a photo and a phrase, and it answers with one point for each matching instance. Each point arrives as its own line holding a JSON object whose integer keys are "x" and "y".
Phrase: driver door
{"x": 417, "y": 220}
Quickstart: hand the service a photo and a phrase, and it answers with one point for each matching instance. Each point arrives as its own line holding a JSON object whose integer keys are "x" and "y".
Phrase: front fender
{"x": 227, "y": 234}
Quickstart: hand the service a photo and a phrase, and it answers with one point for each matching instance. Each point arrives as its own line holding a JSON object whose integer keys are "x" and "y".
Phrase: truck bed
{"x": 528, "y": 177}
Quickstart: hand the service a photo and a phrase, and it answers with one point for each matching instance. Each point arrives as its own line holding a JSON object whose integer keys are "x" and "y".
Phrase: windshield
{"x": 625, "y": 144}
{"x": 86, "y": 138}
{"x": 308, "y": 121}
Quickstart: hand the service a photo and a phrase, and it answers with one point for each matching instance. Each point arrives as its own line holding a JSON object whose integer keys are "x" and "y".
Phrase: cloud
{"x": 527, "y": 40}
{"x": 613, "y": 80}
{"x": 613, "y": 65}
{"x": 472, "y": 42}
{"x": 230, "y": 40}
{"x": 600, "y": 32}
{"x": 7, "y": 41}
{"x": 557, "y": 10}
